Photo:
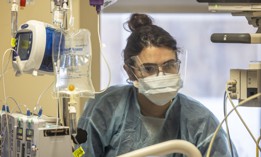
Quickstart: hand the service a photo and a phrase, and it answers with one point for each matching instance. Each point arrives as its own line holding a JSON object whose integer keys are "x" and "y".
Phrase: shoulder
{"x": 114, "y": 93}
{"x": 189, "y": 103}
{"x": 197, "y": 122}
{"x": 194, "y": 110}
{"x": 109, "y": 99}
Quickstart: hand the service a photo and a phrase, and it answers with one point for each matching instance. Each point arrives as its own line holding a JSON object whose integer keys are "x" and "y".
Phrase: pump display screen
{"x": 24, "y": 44}
{"x": 19, "y": 133}
{"x": 29, "y": 134}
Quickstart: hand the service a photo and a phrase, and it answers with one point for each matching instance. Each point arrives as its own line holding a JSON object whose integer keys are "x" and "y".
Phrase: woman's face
{"x": 155, "y": 56}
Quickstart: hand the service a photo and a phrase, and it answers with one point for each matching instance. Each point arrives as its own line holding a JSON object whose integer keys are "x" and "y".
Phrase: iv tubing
{"x": 220, "y": 125}
{"x": 14, "y": 15}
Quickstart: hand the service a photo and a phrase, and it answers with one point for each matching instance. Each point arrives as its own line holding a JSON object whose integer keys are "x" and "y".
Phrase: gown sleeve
{"x": 198, "y": 125}
{"x": 101, "y": 118}
{"x": 93, "y": 145}
{"x": 220, "y": 145}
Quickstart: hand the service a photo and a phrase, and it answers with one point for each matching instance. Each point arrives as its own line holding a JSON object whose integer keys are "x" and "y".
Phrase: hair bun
{"x": 138, "y": 20}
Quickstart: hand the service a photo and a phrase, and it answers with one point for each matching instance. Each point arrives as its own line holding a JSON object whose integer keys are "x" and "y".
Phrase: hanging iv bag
{"x": 72, "y": 58}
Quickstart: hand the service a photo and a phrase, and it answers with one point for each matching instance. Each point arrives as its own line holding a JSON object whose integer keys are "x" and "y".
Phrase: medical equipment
{"x": 33, "y": 136}
{"x": 101, "y": 4}
{"x": 72, "y": 58}
{"x": 251, "y": 9}
{"x": 245, "y": 83}
{"x": 229, "y": 1}
{"x": 14, "y": 12}
{"x": 59, "y": 9}
{"x": 164, "y": 148}
{"x": 33, "y": 53}
{"x": 39, "y": 45}
{"x": 33, "y": 48}
{"x": 22, "y": 3}
{"x": 232, "y": 5}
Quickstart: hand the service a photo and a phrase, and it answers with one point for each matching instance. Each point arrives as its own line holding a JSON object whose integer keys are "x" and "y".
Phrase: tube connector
{"x": 7, "y": 109}
{"x": 14, "y": 19}
{"x": 231, "y": 86}
{"x": 232, "y": 89}
{"x": 40, "y": 112}
{"x": 14, "y": 7}
{"x": 65, "y": 5}
{"x": 232, "y": 82}
{"x": 233, "y": 95}
{"x": 72, "y": 119}
{"x": 3, "y": 108}
{"x": 28, "y": 112}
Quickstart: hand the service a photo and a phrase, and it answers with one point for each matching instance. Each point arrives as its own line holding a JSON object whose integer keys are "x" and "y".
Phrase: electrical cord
{"x": 2, "y": 71}
{"x": 257, "y": 150}
{"x": 6, "y": 66}
{"x": 227, "y": 128}
{"x": 238, "y": 114}
{"x": 15, "y": 103}
{"x": 220, "y": 125}
{"x": 37, "y": 106}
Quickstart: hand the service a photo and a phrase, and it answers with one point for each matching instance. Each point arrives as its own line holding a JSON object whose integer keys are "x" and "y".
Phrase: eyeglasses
{"x": 171, "y": 66}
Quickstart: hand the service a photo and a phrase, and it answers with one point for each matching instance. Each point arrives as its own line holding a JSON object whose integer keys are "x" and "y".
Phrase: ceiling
{"x": 157, "y": 6}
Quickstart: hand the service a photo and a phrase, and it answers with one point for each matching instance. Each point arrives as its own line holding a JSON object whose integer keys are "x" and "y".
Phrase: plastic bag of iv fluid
{"x": 72, "y": 58}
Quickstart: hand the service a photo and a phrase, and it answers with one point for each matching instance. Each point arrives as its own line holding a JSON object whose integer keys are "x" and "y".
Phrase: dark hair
{"x": 145, "y": 34}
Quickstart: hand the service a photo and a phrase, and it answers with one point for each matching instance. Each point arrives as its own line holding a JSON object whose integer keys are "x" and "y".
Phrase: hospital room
{"x": 130, "y": 78}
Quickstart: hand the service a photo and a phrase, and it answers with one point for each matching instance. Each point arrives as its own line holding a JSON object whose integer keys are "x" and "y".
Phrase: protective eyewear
{"x": 172, "y": 66}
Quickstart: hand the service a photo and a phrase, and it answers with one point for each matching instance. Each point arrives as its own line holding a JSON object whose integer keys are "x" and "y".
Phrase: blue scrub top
{"x": 115, "y": 126}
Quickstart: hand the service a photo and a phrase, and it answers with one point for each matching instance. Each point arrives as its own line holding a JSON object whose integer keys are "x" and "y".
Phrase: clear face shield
{"x": 160, "y": 83}
{"x": 183, "y": 56}
{"x": 149, "y": 69}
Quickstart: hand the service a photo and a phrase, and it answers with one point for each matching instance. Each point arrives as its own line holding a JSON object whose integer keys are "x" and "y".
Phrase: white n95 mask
{"x": 159, "y": 89}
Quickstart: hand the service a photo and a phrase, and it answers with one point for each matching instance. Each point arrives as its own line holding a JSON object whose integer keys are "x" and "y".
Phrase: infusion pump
{"x": 33, "y": 136}
{"x": 33, "y": 45}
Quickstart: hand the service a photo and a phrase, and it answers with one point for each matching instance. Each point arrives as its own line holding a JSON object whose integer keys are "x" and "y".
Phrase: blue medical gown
{"x": 115, "y": 126}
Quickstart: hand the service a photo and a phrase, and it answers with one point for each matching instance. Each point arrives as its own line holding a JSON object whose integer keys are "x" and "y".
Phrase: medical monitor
{"x": 251, "y": 9}
{"x": 232, "y": 5}
{"x": 229, "y": 1}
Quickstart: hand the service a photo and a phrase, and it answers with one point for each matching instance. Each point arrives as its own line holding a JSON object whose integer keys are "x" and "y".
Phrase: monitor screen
{"x": 24, "y": 44}
{"x": 229, "y": 1}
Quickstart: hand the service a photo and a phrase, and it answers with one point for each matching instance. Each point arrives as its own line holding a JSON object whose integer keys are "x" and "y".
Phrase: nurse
{"x": 149, "y": 110}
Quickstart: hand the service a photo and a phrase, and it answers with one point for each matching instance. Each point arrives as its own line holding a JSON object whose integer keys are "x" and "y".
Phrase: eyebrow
{"x": 170, "y": 61}
{"x": 157, "y": 64}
